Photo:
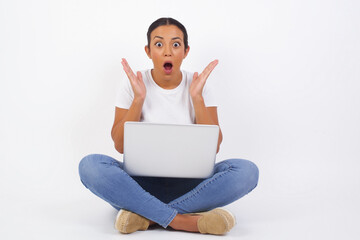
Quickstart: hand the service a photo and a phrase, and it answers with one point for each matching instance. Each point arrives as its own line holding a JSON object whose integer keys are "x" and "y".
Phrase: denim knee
{"x": 248, "y": 171}
{"x": 87, "y": 168}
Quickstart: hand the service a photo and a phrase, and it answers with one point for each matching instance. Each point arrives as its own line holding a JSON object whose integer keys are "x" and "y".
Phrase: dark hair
{"x": 167, "y": 21}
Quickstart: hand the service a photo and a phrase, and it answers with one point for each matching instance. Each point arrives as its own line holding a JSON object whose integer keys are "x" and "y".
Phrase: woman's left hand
{"x": 198, "y": 82}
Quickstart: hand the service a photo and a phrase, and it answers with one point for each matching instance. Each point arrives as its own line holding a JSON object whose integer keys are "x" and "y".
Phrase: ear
{"x": 147, "y": 50}
{"x": 187, "y": 51}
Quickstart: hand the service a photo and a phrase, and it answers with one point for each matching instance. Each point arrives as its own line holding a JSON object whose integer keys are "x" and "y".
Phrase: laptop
{"x": 170, "y": 150}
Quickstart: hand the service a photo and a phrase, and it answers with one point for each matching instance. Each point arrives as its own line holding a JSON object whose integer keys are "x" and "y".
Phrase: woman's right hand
{"x": 136, "y": 81}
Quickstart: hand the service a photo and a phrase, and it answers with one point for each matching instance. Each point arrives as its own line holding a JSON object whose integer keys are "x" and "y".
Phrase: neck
{"x": 166, "y": 81}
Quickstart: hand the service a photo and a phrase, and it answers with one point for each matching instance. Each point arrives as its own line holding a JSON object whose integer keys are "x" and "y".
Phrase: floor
{"x": 290, "y": 209}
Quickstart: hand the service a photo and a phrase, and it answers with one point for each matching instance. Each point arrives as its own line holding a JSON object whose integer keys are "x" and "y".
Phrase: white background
{"x": 288, "y": 88}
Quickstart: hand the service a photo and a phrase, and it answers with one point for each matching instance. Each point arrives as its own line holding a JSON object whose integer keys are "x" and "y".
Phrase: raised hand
{"x": 136, "y": 81}
{"x": 198, "y": 82}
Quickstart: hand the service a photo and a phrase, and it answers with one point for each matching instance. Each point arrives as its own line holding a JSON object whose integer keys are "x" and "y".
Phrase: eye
{"x": 158, "y": 44}
{"x": 176, "y": 44}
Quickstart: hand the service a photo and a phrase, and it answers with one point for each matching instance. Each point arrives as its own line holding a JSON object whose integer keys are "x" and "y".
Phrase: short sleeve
{"x": 124, "y": 94}
{"x": 209, "y": 96}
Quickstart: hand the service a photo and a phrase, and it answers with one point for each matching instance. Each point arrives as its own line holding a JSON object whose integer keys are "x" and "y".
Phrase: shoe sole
{"x": 230, "y": 223}
{"x": 223, "y": 209}
{"x": 117, "y": 221}
{"x": 232, "y": 215}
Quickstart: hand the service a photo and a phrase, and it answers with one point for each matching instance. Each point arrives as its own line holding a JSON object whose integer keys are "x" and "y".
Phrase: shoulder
{"x": 146, "y": 74}
{"x": 188, "y": 76}
{"x": 187, "y": 73}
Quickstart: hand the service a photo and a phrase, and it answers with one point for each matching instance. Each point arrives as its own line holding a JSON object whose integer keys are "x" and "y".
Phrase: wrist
{"x": 139, "y": 100}
{"x": 197, "y": 99}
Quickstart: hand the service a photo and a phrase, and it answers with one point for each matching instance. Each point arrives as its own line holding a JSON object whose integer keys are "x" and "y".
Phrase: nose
{"x": 167, "y": 51}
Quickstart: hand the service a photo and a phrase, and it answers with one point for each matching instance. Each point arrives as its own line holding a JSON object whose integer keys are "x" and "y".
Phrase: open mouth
{"x": 168, "y": 67}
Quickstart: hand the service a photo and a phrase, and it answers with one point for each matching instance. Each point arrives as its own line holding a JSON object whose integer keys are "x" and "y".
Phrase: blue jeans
{"x": 160, "y": 199}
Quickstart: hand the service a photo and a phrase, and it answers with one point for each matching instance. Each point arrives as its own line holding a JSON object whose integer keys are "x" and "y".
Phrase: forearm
{"x": 133, "y": 114}
{"x": 202, "y": 116}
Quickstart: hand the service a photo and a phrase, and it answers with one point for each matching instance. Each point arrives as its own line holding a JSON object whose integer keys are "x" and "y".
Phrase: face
{"x": 167, "y": 50}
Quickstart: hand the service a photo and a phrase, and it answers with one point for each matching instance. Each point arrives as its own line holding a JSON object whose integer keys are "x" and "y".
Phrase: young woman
{"x": 167, "y": 94}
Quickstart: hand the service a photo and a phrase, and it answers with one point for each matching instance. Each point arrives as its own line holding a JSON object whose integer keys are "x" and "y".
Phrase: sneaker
{"x": 128, "y": 222}
{"x": 217, "y": 221}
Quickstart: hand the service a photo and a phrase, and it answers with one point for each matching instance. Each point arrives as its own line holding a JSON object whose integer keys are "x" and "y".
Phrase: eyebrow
{"x": 171, "y": 39}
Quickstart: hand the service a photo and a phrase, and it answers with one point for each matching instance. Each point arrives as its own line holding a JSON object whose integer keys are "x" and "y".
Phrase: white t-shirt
{"x": 164, "y": 105}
